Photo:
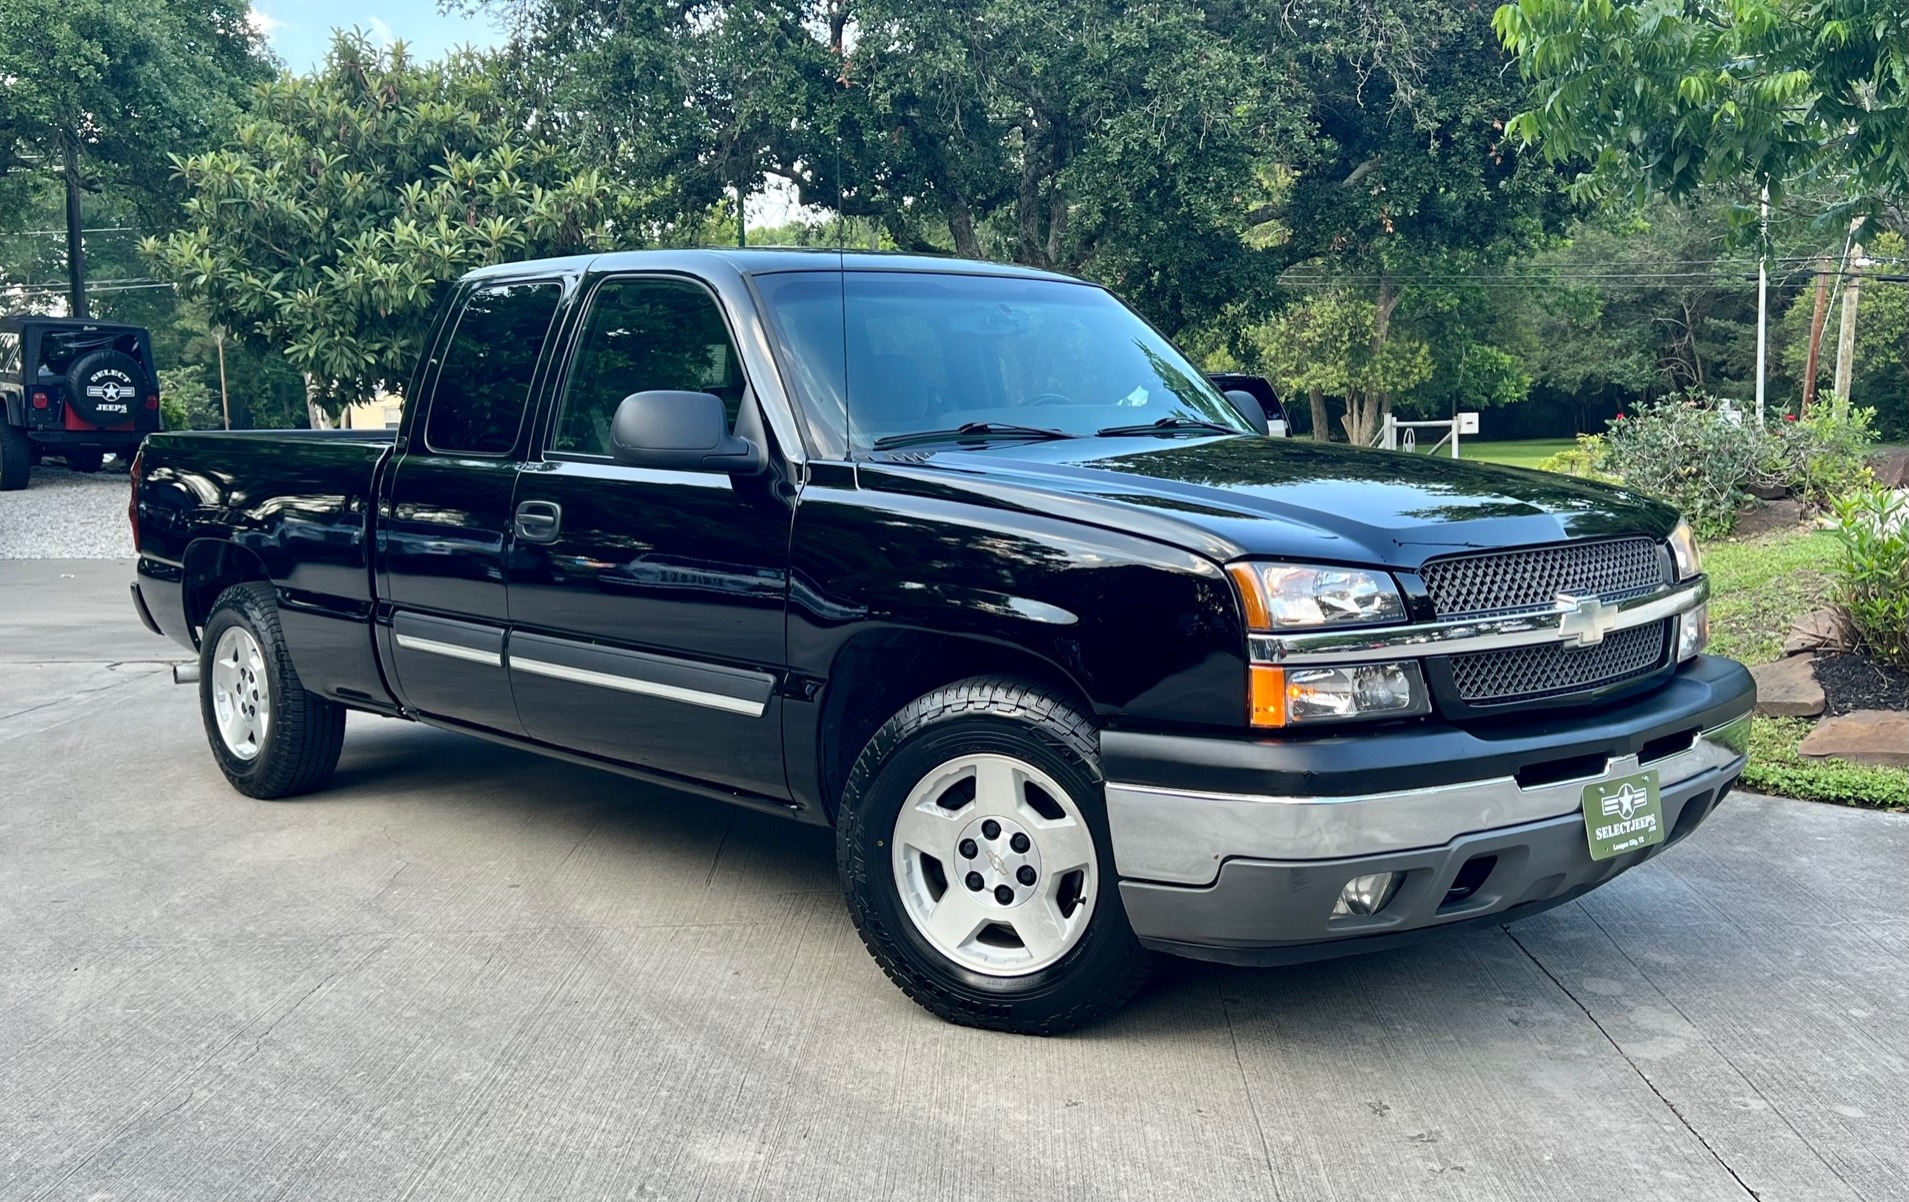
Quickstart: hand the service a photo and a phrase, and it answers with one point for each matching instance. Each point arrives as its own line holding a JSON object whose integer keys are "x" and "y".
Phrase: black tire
{"x": 107, "y": 388}
{"x": 16, "y": 456}
{"x": 86, "y": 461}
{"x": 304, "y": 733}
{"x": 986, "y": 715}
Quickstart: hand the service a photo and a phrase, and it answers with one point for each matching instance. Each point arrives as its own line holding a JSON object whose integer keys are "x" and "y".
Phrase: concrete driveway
{"x": 468, "y": 973}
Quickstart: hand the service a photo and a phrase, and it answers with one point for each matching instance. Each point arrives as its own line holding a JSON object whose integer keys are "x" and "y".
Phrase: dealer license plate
{"x": 1623, "y": 815}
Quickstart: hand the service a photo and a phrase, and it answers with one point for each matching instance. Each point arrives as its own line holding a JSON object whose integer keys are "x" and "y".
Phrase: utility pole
{"x": 1818, "y": 314}
{"x": 1763, "y": 301}
{"x": 225, "y": 405}
{"x": 1846, "y": 334}
{"x": 75, "y": 244}
{"x": 742, "y": 220}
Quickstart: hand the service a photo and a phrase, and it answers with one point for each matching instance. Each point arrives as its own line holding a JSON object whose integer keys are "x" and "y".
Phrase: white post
{"x": 1763, "y": 301}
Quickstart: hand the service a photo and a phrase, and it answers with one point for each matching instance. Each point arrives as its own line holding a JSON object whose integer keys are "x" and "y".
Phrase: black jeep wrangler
{"x": 72, "y": 387}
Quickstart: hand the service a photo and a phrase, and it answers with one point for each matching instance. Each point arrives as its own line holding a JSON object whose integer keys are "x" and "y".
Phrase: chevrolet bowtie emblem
{"x": 1584, "y": 621}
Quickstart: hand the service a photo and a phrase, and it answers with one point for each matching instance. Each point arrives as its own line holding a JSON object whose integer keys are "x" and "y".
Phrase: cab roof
{"x": 762, "y": 260}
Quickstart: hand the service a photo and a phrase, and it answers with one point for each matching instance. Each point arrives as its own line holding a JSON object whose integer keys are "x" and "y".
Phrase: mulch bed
{"x": 1856, "y": 682}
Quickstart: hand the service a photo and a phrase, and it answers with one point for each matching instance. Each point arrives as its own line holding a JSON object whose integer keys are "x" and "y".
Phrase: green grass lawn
{"x": 1521, "y": 453}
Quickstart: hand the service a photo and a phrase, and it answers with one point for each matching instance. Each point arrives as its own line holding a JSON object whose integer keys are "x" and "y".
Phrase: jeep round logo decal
{"x": 112, "y": 391}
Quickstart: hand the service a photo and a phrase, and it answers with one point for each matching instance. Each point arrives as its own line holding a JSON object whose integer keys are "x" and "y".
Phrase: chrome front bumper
{"x": 1482, "y": 824}
{"x": 1182, "y": 837}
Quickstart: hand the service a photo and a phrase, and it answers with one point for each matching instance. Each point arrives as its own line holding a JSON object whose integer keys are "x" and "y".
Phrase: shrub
{"x": 1580, "y": 460}
{"x": 1818, "y": 457}
{"x": 1684, "y": 450}
{"x": 1687, "y": 451}
{"x": 1873, "y": 577}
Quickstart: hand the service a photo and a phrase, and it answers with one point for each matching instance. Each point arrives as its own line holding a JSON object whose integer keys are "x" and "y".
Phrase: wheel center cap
{"x": 997, "y": 860}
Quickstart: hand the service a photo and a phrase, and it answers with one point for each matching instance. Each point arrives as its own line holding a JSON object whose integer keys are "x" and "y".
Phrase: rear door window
{"x": 9, "y": 357}
{"x": 483, "y": 385}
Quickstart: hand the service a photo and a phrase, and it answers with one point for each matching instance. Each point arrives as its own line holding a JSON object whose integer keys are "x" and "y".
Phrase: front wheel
{"x": 271, "y": 736}
{"x": 973, "y": 849}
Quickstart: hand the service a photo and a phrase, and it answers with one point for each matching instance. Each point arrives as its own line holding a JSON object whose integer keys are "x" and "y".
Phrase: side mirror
{"x": 686, "y": 431}
{"x": 1249, "y": 408}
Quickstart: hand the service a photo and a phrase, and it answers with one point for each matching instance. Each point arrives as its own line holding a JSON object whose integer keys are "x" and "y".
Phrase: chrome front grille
{"x": 1551, "y": 669}
{"x": 1466, "y": 585}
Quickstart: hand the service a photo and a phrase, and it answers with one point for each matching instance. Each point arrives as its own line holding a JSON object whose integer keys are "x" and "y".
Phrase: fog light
{"x": 1357, "y": 691}
{"x": 1366, "y": 894}
{"x": 1693, "y": 632}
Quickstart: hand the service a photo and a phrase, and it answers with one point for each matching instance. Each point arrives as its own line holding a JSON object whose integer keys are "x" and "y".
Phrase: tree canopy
{"x": 1667, "y": 96}
{"x": 348, "y": 201}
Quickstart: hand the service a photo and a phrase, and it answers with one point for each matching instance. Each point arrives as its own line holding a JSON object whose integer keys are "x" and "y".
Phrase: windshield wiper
{"x": 1168, "y": 425}
{"x": 970, "y": 430}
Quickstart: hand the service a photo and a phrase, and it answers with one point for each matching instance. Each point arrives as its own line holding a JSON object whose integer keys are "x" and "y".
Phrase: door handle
{"x": 539, "y": 521}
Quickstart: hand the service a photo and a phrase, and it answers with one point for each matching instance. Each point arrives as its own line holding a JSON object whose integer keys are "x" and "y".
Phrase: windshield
{"x": 876, "y": 356}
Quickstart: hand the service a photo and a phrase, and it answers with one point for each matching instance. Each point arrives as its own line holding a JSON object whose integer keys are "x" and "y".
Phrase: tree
{"x": 349, "y": 201}
{"x": 1335, "y": 344}
{"x": 1666, "y": 96}
{"x": 100, "y": 91}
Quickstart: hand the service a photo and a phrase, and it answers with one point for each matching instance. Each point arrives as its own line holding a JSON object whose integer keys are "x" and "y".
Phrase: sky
{"x": 300, "y": 30}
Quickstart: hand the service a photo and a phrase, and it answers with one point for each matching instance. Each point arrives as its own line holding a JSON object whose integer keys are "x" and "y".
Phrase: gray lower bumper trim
{"x": 1181, "y": 837}
{"x": 1260, "y": 911}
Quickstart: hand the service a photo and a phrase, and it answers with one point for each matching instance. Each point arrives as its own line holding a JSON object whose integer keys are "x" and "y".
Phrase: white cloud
{"x": 380, "y": 32}
{"x": 263, "y": 23}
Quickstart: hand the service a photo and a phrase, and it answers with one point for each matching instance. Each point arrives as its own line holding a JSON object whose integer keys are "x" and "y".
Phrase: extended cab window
{"x": 483, "y": 385}
{"x": 642, "y": 335}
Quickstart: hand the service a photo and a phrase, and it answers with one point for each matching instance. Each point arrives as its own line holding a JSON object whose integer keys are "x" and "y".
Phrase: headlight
{"x": 1279, "y": 596}
{"x": 1300, "y": 696}
{"x": 1683, "y": 552}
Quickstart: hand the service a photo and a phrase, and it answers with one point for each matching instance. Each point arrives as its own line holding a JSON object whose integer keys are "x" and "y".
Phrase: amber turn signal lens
{"x": 1267, "y": 687}
{"x": 1252, "y": 596}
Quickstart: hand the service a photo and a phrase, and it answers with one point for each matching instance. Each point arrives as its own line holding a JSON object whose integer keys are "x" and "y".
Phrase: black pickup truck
{"x": 969, "y": 563}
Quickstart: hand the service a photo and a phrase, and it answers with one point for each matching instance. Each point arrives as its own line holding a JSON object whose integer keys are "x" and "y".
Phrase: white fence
{"x": 1395, "y": 435}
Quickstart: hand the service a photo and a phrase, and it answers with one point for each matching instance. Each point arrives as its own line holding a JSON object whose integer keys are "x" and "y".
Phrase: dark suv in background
{"x": 76, "y": 388}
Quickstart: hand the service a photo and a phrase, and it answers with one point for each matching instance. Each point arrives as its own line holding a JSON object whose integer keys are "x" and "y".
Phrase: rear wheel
{"x": 16, "y": 456}
{"x": 974, "y": 852}
{"x": 85, "y": 461}
{"x": 271, "y": 736}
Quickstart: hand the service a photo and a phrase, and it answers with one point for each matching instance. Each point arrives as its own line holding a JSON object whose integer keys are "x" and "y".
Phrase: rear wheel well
{"x": 879, "y": 673}
{"x": 211, "y": 567}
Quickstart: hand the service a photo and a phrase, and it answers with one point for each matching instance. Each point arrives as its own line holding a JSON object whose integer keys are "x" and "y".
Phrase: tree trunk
{"x": 75, "y": 240}
{"x": 1029, "y": 202}
{"x": 961, "y": 227}
{"x": 315, "y": 412}
{"x": 1846, "y": 335}
{"x": 1817, "y": 316}
{"x": 1321, "y": 425}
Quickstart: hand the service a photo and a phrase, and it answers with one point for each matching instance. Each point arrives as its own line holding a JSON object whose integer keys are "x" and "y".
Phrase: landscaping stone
{"x": 1864, "y": 737}
{"x": 1769, "y": 517}
{"x": 1820, "y": 630}
{"x": 1768, "y": 492}
{"x": 1788, "y": 688}
{"x": 1891, "y": 467}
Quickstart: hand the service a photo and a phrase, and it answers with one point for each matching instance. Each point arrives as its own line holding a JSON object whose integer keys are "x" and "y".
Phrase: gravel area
{"x": 67, "y": 515}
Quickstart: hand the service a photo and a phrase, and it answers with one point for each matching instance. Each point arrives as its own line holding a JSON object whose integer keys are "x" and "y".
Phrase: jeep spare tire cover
{"x": 106, "y": 388}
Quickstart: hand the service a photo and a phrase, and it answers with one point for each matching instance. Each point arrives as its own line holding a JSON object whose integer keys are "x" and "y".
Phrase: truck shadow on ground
{"x": 465, "y": 788}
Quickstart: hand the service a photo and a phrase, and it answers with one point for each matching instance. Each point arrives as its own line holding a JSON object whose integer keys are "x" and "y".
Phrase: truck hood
{"x": 1230, "y": 496}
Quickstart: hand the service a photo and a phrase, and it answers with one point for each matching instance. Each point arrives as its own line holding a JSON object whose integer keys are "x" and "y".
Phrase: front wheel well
{"x": 876, "y": 675}
{"x": 212, "y": 566}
